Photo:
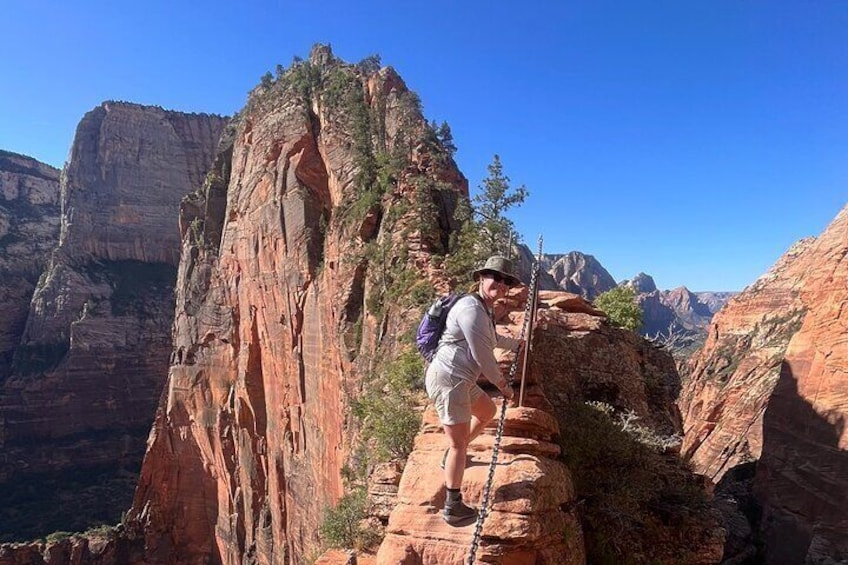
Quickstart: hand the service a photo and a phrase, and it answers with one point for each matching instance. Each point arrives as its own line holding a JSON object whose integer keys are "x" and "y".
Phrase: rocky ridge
{"x": 534, "y": 516}
{"x": 677, "y": 311}
{"x": 297, "y": 257}
{"x": 578, "y": 273}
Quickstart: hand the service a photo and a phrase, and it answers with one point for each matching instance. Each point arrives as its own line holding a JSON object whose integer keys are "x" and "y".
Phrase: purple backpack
{"x": 433, "y": 324}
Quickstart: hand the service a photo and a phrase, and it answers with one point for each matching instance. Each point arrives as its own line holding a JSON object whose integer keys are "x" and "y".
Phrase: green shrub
{"x": 621, "y": 307}
{"x": 637, "y": 505}
{"x": 341, "y": 527}
{"x": 57, "y": 536}
{"x": 386, "y": 409}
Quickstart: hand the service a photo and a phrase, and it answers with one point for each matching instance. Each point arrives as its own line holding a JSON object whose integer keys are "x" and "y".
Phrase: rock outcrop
{"x": 29, "y": 230}
{"x": 309, "y": 249}
{"x": 578, "y": 273}
{"x": 534, "y": 501}
{"x": 92, "y": 361}
{"x": 768, "y": 388}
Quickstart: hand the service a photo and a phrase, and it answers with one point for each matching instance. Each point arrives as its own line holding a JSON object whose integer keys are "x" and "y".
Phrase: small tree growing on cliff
{"x": 621, "y": 307}
{"x": 485, "y": 228}
{"x": 491, "y": 204}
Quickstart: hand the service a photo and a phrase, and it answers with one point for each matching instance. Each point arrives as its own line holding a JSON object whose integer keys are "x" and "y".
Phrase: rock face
{"x": 731, "y": 379}
{"x": 29, "y": 229}
{"x": 579, "y": 273}
{"x": 769, "y": 387}
{"x": 802, "y": 474}
{"x": 91, "y": 363}
{"x": 310, "y": 245}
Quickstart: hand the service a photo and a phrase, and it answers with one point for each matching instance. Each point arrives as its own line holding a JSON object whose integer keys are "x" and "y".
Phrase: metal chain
{"x": 484, "y": 505}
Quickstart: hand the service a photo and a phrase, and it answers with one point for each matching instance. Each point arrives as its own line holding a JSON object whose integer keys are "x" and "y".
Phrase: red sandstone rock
{"x": 769, "y": 386}
{"x": 731, "y": 379}
{"x": 526, "y": 523}
{"x": 802, "y": 474}
{"x": 273, "y": 333}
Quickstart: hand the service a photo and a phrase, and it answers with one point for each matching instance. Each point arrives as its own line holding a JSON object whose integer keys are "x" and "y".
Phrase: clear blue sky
{"x": 694, "y": 141}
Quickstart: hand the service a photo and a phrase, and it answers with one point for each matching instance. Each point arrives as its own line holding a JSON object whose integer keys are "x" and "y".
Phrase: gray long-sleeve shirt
{"x": 466, "y": 348}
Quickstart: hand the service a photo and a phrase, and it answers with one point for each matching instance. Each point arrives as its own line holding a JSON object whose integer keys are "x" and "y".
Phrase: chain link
{"x": 484, "y": 505}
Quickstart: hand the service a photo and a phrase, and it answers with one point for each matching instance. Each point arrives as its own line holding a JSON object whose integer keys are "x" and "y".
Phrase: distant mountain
{"x": 524, "y": 263}
{"x": 715, "y": 300}
{"x": 678, "y": 311}
{"x": 675, "y": 311}
{"x": 578, "y": 273}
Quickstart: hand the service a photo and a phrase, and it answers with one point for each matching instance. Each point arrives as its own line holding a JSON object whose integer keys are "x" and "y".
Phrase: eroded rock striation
{"x": 309, "y": 247}
{"x": 91, "y": 364}
{"x": 768, "y": 389}
{"x": 29, "y": 230}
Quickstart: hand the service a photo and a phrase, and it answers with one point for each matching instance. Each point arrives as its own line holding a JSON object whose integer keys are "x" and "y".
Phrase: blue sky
{"x": 694, "y": 141}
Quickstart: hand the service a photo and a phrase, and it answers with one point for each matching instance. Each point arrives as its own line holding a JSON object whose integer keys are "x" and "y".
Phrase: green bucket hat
{"x": 498, "y": 264}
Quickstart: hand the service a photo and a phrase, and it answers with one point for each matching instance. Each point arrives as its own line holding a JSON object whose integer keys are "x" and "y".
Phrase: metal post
{"x": 532, "y": 314}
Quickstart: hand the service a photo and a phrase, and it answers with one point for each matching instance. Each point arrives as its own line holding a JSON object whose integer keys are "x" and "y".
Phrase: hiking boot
{"x": 458, "y": 514}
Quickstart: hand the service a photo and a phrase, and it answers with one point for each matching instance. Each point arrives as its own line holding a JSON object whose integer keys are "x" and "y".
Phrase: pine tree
{"x": 485, "y": 228}
{"x": 495, "y": 199}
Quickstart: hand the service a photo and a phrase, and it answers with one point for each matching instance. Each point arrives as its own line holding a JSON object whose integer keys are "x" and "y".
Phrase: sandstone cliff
{"x": 90, "y": 366}
{"x": 802, "y": 474}
{"x": 29, "y": 229}
{"x": 308, "y": 248}
{"x": 768, "y": 386}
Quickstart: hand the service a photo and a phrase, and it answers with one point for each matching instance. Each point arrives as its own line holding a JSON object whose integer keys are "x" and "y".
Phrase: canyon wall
{"x": 89, "y": 368}
{"x": 765, "y": 402}
{"x": 29, "y": 230}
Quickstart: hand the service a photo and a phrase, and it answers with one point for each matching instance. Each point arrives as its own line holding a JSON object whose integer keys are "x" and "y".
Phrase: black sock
{"x": 454, "y": 496}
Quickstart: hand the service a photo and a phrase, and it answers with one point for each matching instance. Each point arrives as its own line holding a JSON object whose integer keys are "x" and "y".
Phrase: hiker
{"x": 466, "y": 350}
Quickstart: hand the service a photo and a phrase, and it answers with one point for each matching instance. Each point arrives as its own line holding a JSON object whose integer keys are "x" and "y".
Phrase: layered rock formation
{"x": 578, "y": 273}
{"x": 29, "y": 229}
{"x": 308, "y": 250}
{"x": 92, "y": 360}
{"x": 769, "y": 386}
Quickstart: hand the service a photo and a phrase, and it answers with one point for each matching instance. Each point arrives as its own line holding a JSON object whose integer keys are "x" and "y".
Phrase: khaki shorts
{"x": 452, "y": 396}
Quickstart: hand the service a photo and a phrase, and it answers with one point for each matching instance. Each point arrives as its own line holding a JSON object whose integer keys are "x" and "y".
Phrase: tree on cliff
{"x": 621, "y": 307}
{"x": 485, "y": 228}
